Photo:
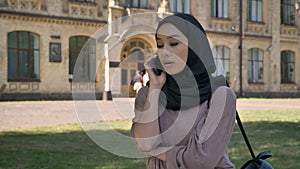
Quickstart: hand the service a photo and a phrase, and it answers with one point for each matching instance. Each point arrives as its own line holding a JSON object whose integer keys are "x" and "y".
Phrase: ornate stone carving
{"x": 257, "y": 87}
{"x": 32, "y": 5}
{"x": 256, "y": 28}
{"x": 287, "y": 30}
{"x": 83, "y": 9}
{"x": 288, "y": 87}
{"x": 222, "y": 25}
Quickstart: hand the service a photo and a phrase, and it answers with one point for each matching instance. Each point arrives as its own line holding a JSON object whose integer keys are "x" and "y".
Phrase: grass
{"x": 68, "y": 146}
{"x": 275, "y": 130}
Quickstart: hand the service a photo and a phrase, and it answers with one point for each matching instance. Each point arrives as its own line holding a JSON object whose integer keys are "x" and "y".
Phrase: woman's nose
{"x": 165, "y": 52}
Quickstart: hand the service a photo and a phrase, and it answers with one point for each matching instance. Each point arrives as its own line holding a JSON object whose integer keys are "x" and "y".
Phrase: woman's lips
{"x": 169, "y": 63}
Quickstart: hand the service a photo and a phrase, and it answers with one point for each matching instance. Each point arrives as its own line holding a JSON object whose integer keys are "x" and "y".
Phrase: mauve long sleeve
{"x": 205, "y": 146}
{"x": 212, "y": 153}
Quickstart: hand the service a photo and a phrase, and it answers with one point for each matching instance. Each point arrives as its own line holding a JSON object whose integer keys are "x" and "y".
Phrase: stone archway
{"x": 133, "y": 55}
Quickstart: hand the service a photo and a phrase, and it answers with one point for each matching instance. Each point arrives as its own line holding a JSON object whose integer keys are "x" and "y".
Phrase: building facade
{"x": 51, "y": 49}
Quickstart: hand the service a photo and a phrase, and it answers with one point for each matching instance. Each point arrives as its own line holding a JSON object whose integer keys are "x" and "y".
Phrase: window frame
{"x": 85, "y": 1}
{"x": 286, "y": 66}
{"x": 255, "y": 59}
{"x": 286, "y": 8}
{"x": 142, "y": 4}
{"x": 176, "y": 8}
{"x": 222, "y": 55}
{"x": 82, "y": 49}
{"x": 215, "y": 9}
{"x": 32, "y": 57}
{"x": 257, "y": 10}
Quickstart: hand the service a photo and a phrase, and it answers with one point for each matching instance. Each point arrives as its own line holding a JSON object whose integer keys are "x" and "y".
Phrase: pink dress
{"x": 205, "y": 145}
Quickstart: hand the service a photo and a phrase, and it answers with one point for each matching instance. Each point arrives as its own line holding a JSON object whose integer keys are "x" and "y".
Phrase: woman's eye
{"x": 160, "y": 46}
{"x": 174, "y": 44}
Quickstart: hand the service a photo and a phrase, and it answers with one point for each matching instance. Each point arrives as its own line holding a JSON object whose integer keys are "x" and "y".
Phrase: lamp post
{"x": 241, "y": 49}
{"x": 107, "y": 92}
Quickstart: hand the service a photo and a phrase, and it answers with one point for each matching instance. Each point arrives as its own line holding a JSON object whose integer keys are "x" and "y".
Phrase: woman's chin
{"x": 173, "y": 70}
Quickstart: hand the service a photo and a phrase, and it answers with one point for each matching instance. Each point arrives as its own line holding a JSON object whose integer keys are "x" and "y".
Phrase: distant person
{"x": 138, "y": 81}
{"x": 145, "y": 78}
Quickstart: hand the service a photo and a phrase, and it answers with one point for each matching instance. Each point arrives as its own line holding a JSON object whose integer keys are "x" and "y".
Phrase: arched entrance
{"x": 133, "y": 55}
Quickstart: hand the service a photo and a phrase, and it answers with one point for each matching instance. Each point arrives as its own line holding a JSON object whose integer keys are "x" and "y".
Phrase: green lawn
{"x": 68, "y": 146}
{"x": 277, "y": 131}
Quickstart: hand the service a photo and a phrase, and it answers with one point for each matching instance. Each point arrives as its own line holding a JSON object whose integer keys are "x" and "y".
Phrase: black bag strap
{"x": 244, "y": 134}
{"x": 221, "y": 81}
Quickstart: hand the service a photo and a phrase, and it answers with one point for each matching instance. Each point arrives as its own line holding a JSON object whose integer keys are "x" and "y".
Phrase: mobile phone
{"x": 158, "y": 69}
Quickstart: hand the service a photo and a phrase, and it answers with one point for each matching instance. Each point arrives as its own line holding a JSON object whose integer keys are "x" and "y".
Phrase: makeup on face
{"x": 172, "y": 48}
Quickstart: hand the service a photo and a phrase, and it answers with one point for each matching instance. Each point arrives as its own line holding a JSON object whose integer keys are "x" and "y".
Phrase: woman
{"x": 183, "y": 119}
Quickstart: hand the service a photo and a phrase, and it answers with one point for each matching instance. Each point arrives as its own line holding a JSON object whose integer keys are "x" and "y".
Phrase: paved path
{"x": 50, "y": 113}
{"x": 265, "y": 104}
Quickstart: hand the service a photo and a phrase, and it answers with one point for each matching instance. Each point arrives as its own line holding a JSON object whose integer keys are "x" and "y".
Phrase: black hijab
{"x": 191, "y": 86}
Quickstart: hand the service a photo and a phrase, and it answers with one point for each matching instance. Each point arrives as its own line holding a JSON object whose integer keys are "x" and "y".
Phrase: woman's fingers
{"x": 157, "y": 80}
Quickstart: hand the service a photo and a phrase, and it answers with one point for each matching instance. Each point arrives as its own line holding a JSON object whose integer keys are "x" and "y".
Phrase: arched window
{"x": 23, "y": 56}
{"x": 287, "y": 67}
{"x": 82, "y": 58}
{"x": 137, "y": 55}
{"x": 255, "y": 65}
{"x": 222, "y": 60}
{"x": 133, "y": 57}
{"x": 135, "y": 51}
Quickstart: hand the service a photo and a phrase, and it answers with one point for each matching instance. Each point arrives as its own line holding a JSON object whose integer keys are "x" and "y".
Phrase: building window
{"x": 124, "y": 77}
{"x": 135, "y": 51}
{"x": 89, "y": 1}
{"x": 179, "y": 6}
{"x": 137, "y": 56}
{"x": 254, "y": 10}
{"x": 82, "y": 58}
{"x": 222, "y": 59}
{"x": 255, "y": 66}
{"x": 287, "y": 67}
{"x": 23, "y": 56}
{"x": 288, "y": 12}
{"x": 219, "y": 8}
{"x": 136, "y": 3}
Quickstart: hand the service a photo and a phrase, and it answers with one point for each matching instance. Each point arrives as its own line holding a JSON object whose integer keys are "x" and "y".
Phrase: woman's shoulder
{"x": 222, "y": 109}
{"x": 223, "y": 99}
{"x": 223, "y": 92}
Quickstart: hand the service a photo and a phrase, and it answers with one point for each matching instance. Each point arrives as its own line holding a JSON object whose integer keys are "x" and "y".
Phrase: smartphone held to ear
{"x": 157, "y": 71}
{"x": 157, "y": 67}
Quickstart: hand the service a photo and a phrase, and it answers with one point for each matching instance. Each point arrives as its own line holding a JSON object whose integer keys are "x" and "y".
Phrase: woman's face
{"x": 172, "y": 47}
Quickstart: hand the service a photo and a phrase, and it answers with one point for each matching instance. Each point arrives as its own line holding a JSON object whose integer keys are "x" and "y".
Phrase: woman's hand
{"x": 156, "y": 81}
